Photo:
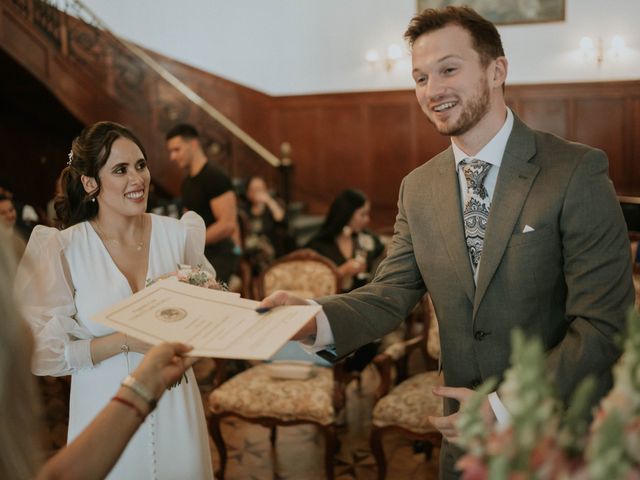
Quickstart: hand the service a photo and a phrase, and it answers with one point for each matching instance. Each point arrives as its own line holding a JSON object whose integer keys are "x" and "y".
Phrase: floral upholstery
{"x": 314, "y": 279}
{"x": 409, "y": 404}
{"x": 254, "y": 393}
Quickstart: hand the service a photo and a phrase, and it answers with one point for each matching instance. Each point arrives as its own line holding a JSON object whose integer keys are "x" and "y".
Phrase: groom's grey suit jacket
{"x": 568, "y": 281}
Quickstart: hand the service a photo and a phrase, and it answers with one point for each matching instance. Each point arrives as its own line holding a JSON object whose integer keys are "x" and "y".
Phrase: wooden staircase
{"x": 97, "y": 76}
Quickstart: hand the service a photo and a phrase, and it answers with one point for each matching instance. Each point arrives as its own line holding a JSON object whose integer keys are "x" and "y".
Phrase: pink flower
{"x": 473, "y": 468}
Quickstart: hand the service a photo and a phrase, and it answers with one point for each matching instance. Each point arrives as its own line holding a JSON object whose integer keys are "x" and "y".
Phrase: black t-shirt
{"x": 198, "y": 191}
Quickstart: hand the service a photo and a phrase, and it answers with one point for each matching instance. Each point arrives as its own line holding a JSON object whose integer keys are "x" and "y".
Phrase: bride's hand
{"x": 138, "y": 346}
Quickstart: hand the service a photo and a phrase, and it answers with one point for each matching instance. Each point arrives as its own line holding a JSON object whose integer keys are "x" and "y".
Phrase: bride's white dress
{"x": 66, "y": 277}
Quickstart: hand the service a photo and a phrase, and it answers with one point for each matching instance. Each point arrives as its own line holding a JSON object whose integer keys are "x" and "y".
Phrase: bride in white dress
{"x": 108, "y": 251}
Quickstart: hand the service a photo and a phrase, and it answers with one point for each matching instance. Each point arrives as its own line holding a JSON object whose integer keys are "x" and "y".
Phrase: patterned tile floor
{"x": 299, "y": 449}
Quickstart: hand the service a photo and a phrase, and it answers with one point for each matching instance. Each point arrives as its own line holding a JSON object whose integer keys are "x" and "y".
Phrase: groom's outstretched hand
{"x": 281, "y": 297}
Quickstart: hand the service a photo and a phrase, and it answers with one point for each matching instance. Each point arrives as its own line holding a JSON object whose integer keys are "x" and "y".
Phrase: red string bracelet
{"x": 129, "y": 404}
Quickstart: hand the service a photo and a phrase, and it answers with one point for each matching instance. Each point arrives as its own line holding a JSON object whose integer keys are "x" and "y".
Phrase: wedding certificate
{"x": 217, "y": 324}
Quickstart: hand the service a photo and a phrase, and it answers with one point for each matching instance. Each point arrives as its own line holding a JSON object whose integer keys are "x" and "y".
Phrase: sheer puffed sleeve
{"x": 44, "y": 289}
{"x": 195, "y": 241}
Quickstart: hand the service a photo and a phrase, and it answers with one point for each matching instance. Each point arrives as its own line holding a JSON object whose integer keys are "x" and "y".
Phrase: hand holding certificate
{"x": 215, "y": 323}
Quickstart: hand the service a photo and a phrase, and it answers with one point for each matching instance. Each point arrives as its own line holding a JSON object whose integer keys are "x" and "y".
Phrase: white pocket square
{"x": 528, "y": 228}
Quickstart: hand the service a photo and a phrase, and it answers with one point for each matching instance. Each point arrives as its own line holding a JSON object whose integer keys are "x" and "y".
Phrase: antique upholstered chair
{"x": 255, "y": 396}
{"x": 405, "y": 408}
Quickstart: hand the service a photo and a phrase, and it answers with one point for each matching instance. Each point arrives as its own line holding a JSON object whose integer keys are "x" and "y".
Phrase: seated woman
{"x": 266, "y": 227}
{"x": 345, "y": 239}
{"x": 111, "y": 429}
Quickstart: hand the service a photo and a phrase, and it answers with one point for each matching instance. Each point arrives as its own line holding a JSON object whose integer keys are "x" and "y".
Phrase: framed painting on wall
{"x": 503, "y": 12}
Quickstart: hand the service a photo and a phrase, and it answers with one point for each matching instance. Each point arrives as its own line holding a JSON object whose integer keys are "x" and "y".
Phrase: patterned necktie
{"x": 476, "y": 207}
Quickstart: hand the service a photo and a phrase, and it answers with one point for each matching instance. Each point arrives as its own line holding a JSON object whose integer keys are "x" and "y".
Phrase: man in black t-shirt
{"x": 208, "y": 191}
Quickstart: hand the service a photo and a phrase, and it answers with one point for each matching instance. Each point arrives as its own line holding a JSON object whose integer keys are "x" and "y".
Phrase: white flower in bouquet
{"x": 197, "y": 276}
{"x": 193, "y": 276}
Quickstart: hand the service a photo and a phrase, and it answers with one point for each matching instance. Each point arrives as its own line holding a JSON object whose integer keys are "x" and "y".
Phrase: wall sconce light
{"x": 595, "y": 50}
{"x": 388, "y": 60}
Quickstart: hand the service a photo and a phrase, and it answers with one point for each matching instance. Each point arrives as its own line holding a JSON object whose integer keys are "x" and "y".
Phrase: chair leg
{"x": 329, "y": 449}
{"x": 428, "y": 450}
{"x": 273, "y": 436}
{"x": 214, "y": 427}
{"x": 375, "y": 442}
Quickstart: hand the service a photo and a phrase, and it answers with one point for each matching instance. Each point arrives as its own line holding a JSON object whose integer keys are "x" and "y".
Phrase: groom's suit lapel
{"x": 446, "y": 195}
{"x": 514, "y": 181}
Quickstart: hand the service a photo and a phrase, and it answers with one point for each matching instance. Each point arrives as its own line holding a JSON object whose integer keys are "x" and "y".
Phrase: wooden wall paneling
{"x": 83, "y": 97}
{"x": 548, "y": 115}
{"x": 390, "y": 136}
{"x": 258, "y": 118}
{"x": 571, "y": 118}
{"x": 299, "y": 126}
{"x": 632, "y": 159}
{"x": 429, "y": 141}
{"x": 257, "y": 115}
{"x": 218, "y": 92}
{"x": 341, "y": 135}
{"x": 414, "y": 117}
{"x": 600, "y": 123}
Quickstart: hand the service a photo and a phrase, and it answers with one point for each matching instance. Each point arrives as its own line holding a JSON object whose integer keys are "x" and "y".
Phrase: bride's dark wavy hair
{"x": 89, "y": 152}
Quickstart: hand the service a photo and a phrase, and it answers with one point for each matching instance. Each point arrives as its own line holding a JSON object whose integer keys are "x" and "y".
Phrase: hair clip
{"x": 70, "y": 155}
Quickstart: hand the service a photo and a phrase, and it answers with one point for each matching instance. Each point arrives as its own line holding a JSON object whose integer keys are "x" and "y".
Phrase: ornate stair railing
{"x": 135, "y": 79}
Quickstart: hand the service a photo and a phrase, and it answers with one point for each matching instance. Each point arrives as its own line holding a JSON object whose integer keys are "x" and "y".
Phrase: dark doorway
{"x": 36, "y": 131}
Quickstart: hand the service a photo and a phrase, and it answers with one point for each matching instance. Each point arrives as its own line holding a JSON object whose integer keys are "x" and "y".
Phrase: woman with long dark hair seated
{"x": 266, "y": 225}
{"x": 345, "y": 239}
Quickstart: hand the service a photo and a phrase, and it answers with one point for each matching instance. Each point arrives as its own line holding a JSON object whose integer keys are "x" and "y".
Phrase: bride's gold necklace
{"x": 138, "y": 245}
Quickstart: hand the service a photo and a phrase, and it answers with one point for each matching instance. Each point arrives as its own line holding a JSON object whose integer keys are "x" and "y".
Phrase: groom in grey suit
{"x": 509, "y": 227}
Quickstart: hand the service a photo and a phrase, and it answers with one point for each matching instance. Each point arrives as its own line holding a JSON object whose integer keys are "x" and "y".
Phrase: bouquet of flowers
{"x": 543, "y": 441}
{"x": 193, "y": 276}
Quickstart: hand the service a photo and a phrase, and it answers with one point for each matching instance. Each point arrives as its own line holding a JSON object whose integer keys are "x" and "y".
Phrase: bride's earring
{"x": 346, "y": 231}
